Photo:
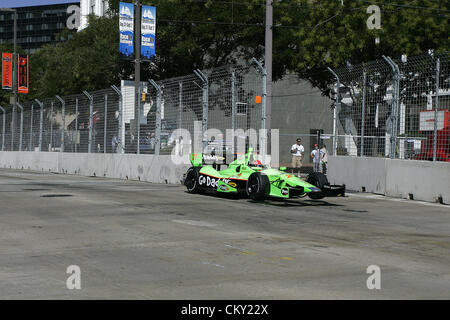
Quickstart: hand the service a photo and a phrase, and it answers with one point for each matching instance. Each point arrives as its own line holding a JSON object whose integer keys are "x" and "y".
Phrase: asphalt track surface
{"x": 136, "y": 240}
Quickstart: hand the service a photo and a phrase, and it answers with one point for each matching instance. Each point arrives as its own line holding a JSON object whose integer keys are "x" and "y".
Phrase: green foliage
{"x": 325, "y": 33}
{"x": 309, "y": 35}
{"x": 88, "y": 60}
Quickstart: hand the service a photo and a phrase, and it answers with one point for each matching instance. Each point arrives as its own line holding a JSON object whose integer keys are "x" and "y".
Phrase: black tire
{"x": 318, "y": 180}
{"x": 191, "y": 181}
{"x": 258, "y": 186}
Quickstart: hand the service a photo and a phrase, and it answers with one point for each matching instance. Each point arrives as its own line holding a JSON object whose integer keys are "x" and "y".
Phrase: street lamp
{"x": 14, "y": 88}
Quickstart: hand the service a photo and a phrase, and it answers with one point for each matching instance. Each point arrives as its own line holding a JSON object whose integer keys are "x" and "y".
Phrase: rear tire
{"x": 258, "y": 186}
{"x": 191, "y": 181}
{"x": 318, "y": 180}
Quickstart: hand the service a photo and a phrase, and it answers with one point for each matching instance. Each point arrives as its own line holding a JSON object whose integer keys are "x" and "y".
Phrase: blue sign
{"x": 126, "y": 33}
{"x": 148, "y": 32}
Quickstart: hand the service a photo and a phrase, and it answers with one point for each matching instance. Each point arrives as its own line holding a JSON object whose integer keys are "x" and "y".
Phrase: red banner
{"x": 7, "y": 70}
{"x": 22, "y": 81}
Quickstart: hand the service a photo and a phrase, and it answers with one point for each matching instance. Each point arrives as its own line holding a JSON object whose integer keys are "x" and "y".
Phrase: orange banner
{"x": 7, "y": 70}
{"x": 22, "y": 81}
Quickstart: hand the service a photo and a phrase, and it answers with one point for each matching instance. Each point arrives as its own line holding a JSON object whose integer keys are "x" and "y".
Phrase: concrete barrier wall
{"x": 391, "y": 177}
{"x": 358, "y": 172}
{"x": 397, "y": 178}
{"x": 158, "y": 169}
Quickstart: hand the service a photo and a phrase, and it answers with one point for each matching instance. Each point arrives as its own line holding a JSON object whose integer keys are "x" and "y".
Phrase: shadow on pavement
{"x": 273, "y": 201}
{"x": 296, "y": 203}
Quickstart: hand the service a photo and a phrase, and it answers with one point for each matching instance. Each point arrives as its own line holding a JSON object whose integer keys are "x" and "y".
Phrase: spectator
{"x": 316, "y": 156}
{"x": 114, "y": 143}
{"x": 297, "y": 151}
{"x": 324, "y": 158}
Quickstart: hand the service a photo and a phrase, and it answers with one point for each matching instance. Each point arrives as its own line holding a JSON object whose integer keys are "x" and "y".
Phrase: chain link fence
{"x": 103, "y": 121}
{"x": 397, "y": 108}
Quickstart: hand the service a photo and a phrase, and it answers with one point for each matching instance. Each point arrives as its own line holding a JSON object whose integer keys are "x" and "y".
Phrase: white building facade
{"x": 87, "y": 7}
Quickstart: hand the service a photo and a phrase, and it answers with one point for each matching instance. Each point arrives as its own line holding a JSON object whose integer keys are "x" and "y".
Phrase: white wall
{"x": 392, "y": 177}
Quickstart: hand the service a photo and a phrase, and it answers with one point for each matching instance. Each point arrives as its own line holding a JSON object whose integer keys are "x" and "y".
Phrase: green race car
{"x": 248, "y": 176}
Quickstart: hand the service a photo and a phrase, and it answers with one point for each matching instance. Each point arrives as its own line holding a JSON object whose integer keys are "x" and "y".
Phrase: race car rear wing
{"x": 199, "y": 159}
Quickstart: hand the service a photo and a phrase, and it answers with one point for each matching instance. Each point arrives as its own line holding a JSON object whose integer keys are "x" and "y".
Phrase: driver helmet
{"x": 256, "y": 163}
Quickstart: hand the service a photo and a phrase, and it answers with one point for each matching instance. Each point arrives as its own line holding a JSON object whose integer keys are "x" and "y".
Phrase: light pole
{"x": 137, "y": 70}
{"x": 268, "y": 66}
{"x": 14, "y": 85}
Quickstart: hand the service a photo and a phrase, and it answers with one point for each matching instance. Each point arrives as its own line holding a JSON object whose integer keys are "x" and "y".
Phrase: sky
{"x": 30, "y": 3}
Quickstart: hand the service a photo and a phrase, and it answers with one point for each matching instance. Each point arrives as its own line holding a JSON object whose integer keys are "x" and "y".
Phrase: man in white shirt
{"x": 297, "y": 151}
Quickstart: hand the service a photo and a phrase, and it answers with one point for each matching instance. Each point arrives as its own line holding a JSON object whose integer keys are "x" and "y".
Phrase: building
{"x": 38, "y": 21}
{"x": 87, "y": 7}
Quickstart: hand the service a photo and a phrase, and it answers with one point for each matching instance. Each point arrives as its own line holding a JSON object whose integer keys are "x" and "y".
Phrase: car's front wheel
{"x": 318, "y": 180}
{"x": 191, "y": 181}
{"x": 258, "y": 186}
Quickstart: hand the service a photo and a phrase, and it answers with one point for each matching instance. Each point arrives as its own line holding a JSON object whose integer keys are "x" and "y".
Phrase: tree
{"x": 86, "y": 60}
{"x": 327, "y": 33}
{"x": 203, "y": 34}
{"x": 308, "y": 36}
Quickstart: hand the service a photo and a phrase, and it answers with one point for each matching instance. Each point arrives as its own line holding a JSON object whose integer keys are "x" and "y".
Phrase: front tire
{"x": 258, "y": 186}
{"x": 191, "y": 181}
{"x": 318, "y": 180}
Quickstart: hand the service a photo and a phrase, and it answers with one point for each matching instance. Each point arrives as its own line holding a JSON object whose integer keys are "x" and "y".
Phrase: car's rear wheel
{"x": 191, "y": 181}
{"x": 318, "y": 180}
{"x": 258, "y": 186}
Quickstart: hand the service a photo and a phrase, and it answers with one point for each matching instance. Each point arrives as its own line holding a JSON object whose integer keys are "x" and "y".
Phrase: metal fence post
{"x": 51, "y": 127}
{"x": 76, "y": 124}
{"x": 233, "y": 102}
{"x": 91, "y": 124}
{"x": 139, "y": 97}
{"x": 3, "y": 128}
{"x": 119, "y": 93}
{"x": 158, "y": 117}
{"x": 205, "y": 106}
{"x": 63, "y": 121}
{"x": 436, "y": 109}
{"x": 31, "y": 128}
{"x": 263, "y": 141}
{"x": 41, "y": 121}
{"x": 395, "y": 104}
{"x": 105, "y": 123}
{"x": 363, "y": 115}
{"x": 335, "y": 111}
{"x": 21, "y": 125}
{"x": 180, "y": 104}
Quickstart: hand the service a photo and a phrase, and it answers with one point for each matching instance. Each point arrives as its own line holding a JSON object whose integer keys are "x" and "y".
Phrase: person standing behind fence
{"x": 324, "y": 158}
{"x": 297, "y": 151}
{"x": 114, "y": 143}
{"x": 316, "y": 156}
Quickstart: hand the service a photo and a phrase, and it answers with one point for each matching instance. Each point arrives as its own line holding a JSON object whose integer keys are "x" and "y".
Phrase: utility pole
{"x": 137, "y": 69}
{"x": 268, "y": 65}
{"x": 14, "y": 75}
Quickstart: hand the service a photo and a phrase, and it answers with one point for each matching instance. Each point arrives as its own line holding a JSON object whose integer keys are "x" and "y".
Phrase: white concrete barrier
{"x": 158, "y": 169}
{"x": 425, "y": 180}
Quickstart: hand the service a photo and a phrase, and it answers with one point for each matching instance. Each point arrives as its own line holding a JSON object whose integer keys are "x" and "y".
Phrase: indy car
{"x": 249, "y": 177}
